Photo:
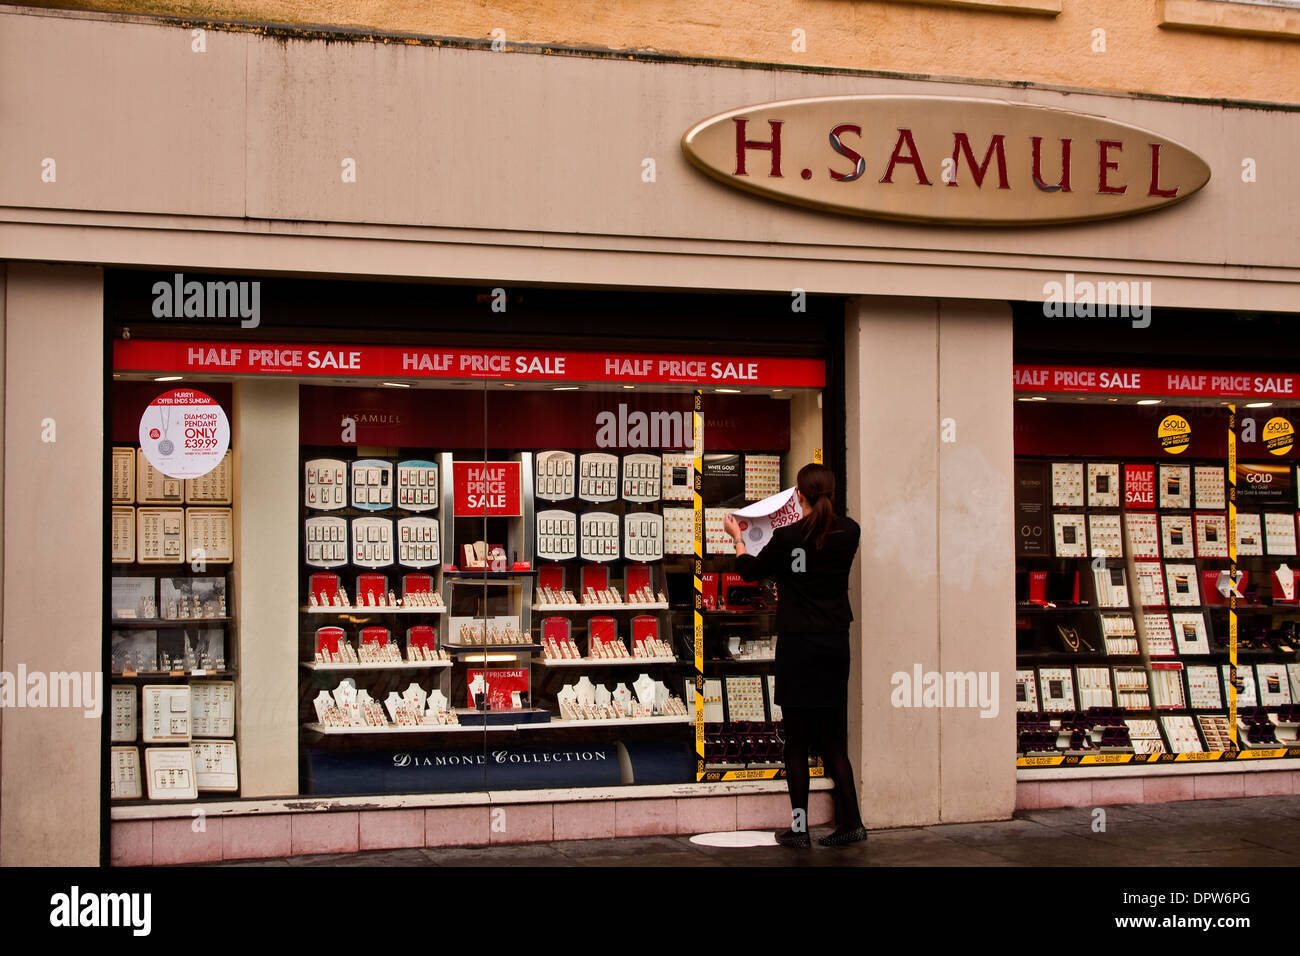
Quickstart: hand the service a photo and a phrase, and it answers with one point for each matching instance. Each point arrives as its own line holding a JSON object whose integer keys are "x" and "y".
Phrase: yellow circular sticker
{"x": 1175, "y": 434}
{"x": 1279, "y": 436}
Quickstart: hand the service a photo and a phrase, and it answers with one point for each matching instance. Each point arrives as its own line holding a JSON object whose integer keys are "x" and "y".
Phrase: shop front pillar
{"x": 929, "y": 471}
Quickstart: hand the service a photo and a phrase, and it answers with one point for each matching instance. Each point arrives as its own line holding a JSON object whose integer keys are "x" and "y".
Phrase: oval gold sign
{"x": 939, "y": 159}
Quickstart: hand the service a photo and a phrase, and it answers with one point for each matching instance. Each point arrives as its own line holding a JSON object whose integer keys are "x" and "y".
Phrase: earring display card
{"x": 1215, "y": 729}
{"x": 678, "y": 477}
{"x": 1120, "y": 634}
{"x": 679, "y": 531}
{"x": 214, "y": 488}
{"x": 165, "y": 713}
{"x": 1250, "y": 535}
{"x": 1176, "y": 536}
{"x": 1131, "y": 689}
{"x": 213, "y": 530}
{"x": 1145, "y": 734}
{"x": 1274, "y": 688}
{"x": 124, "y": 774}
{"x": 327, "y": 542}
{"x": 1026, "y": 692}
{"x": 1151, "y": 583}
{"x": 599, "y": 541}
{"x": 1190, "y": 633}
{"x": 134, "y": 651}
{"x": 419, "y": 542}
{"x": 555, "y": 475}
{"x": 1181, "y": 585}
{"x": 216, "y": 765}
{"x": 1211, "y": 534}
{"x": 762, "y": 476}
{"x": 1143, "y": 534}
{"x": 1160, "y": 638}
{"x": 152, "y": 487}
{"x": 771, "y": 696}
{"x": 134, "y": 599}
{"x": 1167, "y": 685}
{"x": 597, "y": 477}
{"x": 713, "y": 713}
{"x": 123, "y": 535}
{"x": 745, "y": 699}
{"x": 372, "y": 484}
{"x": 1246, "y": 696}
{"x": 1112, "y": 587}
{"x": 643, "y": 536}
{"x": 1094, "y": 687}
{"x": 212, "y": 708}
{"x": 124, "y": 715}
{"x": 1071, "y": 538}
{"x": 642, "y": 478}
{"x": 1104, "y": 533}
{"x": 326, "y": 487}
{"x": 1182, "y": 735}
{"x": 1279, "y": 531}
{"x": 716, "y": 539}
{"x": 170, "y": 773}
{"x": 557, "y": 535}
{"x": 1056, "y": 686}
{"x": 1103, "y": 485}
{"x": 123, "y": 476}
{"x": 182, "y": 599}
{"x": 1203, "y": 687}
{"x": 1175, "y": 486}
{"x": 372, "y": 542}
{"x": 160, "y": 535}
{"x": 1067, "y": 485}
{"x": 417, "y": 485}
{"x": 1209, "y": 487}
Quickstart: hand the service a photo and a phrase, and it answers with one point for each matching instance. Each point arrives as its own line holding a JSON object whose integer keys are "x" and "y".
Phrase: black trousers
{"x": 827, "y": 730}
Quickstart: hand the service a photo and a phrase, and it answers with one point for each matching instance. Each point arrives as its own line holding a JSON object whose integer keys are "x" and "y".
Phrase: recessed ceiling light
{"x": 728, "y": 391}
{"x": 507, "y": 384}
{"x": 566, "y": 388}
{"x": 629, "y": 386}
{"x": 1259, "y": 404}
{"x": 1148, "y": 401}
{"x": 169, "y": 378}
{"x": 395, "y": 384}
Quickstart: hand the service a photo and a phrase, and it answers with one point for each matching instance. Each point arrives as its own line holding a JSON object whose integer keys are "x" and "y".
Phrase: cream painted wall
{"x": 53, "y": 534}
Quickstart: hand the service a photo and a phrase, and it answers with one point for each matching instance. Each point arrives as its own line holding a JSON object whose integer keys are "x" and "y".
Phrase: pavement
{"x": 1250, "y": 831}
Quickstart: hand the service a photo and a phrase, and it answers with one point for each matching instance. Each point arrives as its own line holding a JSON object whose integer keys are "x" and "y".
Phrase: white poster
{"x": 184, "y": 433}
{"x": 759, "y": 520}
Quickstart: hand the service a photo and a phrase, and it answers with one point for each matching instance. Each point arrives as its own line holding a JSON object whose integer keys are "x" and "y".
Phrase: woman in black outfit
{"x": 810, "y": 562}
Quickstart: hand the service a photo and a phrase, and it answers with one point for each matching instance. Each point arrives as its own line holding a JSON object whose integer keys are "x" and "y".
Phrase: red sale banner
{"x": 487, "y": 488}
{"x": 1140, "y": 487}
{"x": 1156, "y": 382}
{"x": 500, "y": 686}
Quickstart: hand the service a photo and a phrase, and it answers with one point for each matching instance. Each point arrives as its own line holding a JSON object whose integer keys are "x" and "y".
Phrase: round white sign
{"x": 184, "y": 433}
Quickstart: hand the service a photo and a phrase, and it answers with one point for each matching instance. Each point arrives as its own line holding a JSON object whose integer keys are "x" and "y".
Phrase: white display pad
{"x": 1177, "y": 536}
{"x": 1026, "y": 692}
{"x": 1274, "y": 688}
{"x": 1143, "y": 533}
{"x": 762, "y": 476}
{"x": 165, "y": 713}
{"x": 1160, "y": 635}
{"x": 1250, "y": 535}
{"x": 1210, "y": 487}
{"x": 1279, "y": 533}
{"x": 643, "y": 536}
{"x": 678, "y": 477}
{"x": 1211, "y": 534}
{"x": 679, "y": 531}
{"x": 372, "y": 484}
{"x": 1070, "y": 535}
{"x": 557, "y": 535}
{"x": 716, "y": 539}
{"x": 1151, "y": 583}
{"x": 1132, "y": 691}
{"x": 124, "y": 774}
{"x": 123, "y": 476}
{"x": 1203, "y": 687}
{"x": 1167, "y": 686}
{"x": 212, "y": 708}
{"x": 1190, "y": 633}
{"x": 213, "y": 530}
{"x": 1103, "y": 485}
{"x": 599, "y": 540}
{"x": 123, "y": 535}
{"x": 598, "y": 477}
{"x": 153, "y": 487}
{"x": 1215, "y": 729}
{"x": 326, "y": 484}
{"x": 713, "y": 713}
{"x": 1067, "y": 485}
{"x": 1105, "y": 538}
{"x": 1056, "y": 689}
{"x": 1120, "y": 634}
{"x": 745, "y": 698}
{"x": 124, "y": 727}
{"x": 216, "y": 765}
{"x": 169, "y": 772}
{"x": 1182, "y": 586}
{"x": 327, "y": 542}
{"x": 556, "y": 472}
{"x": 372, "y": 542}
{"x": 1182, "y": 735}
{"x": 1246, "y": 696}
{"x": 1094, "y": 687}
{"x": 642, "y": 477}
{"x": 1145, "y": 735}
{"x": 417, "y": 485}
{"x": 419, "y": 542}
{"x": 771, "y": 695}
{"x": 214, "y": 488}
{"x": 1175, "y": 486}
{"x": 1112, "y": 587}
{"x": 160, "y": 535}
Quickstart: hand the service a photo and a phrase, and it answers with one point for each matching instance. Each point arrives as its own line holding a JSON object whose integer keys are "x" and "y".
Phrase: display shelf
{"x": 373, "y": 610}
{"x": 502, "y": 576}
{"x": 168, "y": 623}
{"x": 611, "y": 722}
{"x": 377, "y": 731}
{"x": 608, "y": 662}
{"x": 563, "y": 608}
{"x": 490, "y": 648}
{"x": 765, "y": 659}
{"x": 176, "y": 675}
{"x": 374, "y": 666}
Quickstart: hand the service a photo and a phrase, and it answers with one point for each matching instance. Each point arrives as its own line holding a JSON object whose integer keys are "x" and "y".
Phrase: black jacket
{"x": 812, "y": 593}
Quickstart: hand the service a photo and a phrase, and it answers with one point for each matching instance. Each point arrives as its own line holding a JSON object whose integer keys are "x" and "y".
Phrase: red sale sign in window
{"x": 184, "y": 433}
{"x": 1140, "y": 487}
{"x": 487, "y": 488}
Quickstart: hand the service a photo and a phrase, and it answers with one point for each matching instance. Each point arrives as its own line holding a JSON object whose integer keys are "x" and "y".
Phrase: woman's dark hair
{"x": 817, "y": 484}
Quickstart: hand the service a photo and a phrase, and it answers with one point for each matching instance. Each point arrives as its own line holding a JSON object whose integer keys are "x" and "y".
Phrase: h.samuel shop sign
{"x": 936, "y": 159}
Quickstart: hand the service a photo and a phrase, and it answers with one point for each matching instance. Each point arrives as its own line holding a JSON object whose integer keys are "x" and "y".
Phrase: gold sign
{"x": 939, "y": 159}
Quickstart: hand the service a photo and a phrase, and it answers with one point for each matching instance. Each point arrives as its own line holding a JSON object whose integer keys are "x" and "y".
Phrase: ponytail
{"x": 817, "y": 484}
